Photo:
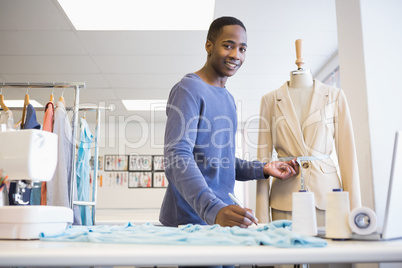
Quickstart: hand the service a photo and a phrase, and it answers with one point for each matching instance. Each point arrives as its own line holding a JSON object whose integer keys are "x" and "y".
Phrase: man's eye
{"x": 242, "y": 49}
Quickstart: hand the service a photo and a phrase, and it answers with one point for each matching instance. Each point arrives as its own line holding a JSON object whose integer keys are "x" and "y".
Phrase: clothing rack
{"x": 76, "y": 86}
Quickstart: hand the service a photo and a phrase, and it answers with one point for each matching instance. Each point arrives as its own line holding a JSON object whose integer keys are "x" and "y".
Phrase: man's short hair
{"x": 216, "y": 26}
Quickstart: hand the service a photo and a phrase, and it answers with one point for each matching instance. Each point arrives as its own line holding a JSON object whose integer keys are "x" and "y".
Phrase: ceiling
{"x": 39, "y": 44}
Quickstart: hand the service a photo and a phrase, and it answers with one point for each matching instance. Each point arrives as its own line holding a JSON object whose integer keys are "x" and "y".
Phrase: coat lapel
{"x": 285, "y": 105}
{"x": 316, "y": 113}
{"x": 304, "y": 136}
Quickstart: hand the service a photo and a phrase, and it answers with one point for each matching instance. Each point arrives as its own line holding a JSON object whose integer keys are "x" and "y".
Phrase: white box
{"x": 28, "y": 222}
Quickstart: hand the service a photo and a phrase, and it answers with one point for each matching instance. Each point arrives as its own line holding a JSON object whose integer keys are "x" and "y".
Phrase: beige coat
{"x": 328, "y": 125}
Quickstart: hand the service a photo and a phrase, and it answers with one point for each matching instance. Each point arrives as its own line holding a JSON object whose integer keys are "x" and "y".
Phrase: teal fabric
{"x": 277, "y": 233}
{"x": 83, "y": 170}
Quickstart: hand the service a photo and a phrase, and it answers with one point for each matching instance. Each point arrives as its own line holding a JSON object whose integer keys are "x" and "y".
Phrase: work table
{"x": 44, "y": 253}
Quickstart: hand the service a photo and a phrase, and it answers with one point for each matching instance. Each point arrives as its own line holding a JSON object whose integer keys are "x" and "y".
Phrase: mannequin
{"x": 306, "y": 118}
{"x": 301, "y": 87}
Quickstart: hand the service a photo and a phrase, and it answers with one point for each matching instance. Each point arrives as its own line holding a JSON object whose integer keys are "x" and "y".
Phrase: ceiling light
{"x": 20, "y": 103}
{"x": 145, "y": 105}
{"x": 139, "y": 14}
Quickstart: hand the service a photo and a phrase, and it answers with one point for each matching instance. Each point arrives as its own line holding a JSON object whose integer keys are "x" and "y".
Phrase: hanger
{"x": 2, "y": 104}
{"x": 83, "y": 117}
{"x": 52, "y": 96}
{"x": 24, "y": 110}
{"x": 62, "y": 98}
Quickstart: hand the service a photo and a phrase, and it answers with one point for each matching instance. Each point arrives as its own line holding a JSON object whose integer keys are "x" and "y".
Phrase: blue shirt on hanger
{"x": 32, "y": 123}
{"x": 83, "y": 169}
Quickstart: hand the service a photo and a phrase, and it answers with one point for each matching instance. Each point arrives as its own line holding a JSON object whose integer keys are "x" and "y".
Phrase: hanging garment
{"x": 33, "y": 195}
{"x": 6, "y": 117}
{"x": 58, "y": 189}
{"x": 328, "y": 125}
{"x": 47, "y": 126}
{"x": 48, "y": 117}
{"x": 83, "y": 169}
{"x": 30, "y": 121}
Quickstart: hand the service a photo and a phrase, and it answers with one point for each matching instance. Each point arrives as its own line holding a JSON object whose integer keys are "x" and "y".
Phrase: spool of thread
{"x": 304, "y": 220}
{"x": 363, "y": 221}
{"x": 337, "y": 215}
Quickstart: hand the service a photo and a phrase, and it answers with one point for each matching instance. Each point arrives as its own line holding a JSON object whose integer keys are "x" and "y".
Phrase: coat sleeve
{"x": 346, "y": 152}
{"x": 264, "y": 154}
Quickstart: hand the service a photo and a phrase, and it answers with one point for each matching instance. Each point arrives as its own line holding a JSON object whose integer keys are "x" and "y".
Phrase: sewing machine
{"x": 29, "y": 156}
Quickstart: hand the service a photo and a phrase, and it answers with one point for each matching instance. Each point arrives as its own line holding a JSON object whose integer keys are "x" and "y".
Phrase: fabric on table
{"x": 276, "y": 233}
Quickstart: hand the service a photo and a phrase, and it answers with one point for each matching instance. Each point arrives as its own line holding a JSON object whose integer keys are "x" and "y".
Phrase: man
{"x": 201, "y": 166}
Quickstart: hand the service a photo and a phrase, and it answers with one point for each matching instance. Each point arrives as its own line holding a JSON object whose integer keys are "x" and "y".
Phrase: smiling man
{"x": 199, "y": 154}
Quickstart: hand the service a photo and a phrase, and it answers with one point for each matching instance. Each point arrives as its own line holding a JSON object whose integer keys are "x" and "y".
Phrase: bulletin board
{"x": 133, "y": 171}
{"x": 131, "y": 181}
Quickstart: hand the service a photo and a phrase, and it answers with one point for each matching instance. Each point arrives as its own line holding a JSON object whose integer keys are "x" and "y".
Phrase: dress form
{"x": 301, "y": 86}
{"x": 327, "y": 129}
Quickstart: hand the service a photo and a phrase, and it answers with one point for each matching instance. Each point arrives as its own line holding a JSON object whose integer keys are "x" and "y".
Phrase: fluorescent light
{"x": 145, "y": 105}
{"x": 20, "y": 103}
{"x": 139, "y": 14}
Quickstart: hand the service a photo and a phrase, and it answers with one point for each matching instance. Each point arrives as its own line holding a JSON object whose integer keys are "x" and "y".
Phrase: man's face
{"x": 228, "y": 52}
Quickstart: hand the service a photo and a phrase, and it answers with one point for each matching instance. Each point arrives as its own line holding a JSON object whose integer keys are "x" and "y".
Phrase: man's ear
{"x": 208, "y": 47}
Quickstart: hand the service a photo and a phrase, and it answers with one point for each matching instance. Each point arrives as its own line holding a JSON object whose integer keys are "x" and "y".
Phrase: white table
{"x": 40, "y": 253}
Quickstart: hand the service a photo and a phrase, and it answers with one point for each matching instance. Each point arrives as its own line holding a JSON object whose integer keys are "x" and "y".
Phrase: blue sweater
{"x": 199, "y": 154}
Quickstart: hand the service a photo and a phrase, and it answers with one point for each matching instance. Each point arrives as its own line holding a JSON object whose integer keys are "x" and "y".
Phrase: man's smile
{"x": 231, "y": 65}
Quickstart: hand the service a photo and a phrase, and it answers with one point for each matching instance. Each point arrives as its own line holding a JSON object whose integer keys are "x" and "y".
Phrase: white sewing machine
{"x": 29, "y": 156}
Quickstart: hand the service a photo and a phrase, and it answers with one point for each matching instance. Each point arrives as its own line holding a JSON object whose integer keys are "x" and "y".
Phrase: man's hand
{"x": 235, "y": 216}
{"x": 282, "y": 170}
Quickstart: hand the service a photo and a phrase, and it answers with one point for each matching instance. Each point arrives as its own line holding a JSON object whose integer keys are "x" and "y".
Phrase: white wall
{"x": 370, "y": 41}
{"x": 382, "y": 37}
